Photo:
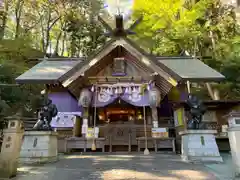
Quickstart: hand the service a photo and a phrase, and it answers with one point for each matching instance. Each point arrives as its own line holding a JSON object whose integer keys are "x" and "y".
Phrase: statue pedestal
{"x": 200, "y": 145}
{"x": 39, "y": 147}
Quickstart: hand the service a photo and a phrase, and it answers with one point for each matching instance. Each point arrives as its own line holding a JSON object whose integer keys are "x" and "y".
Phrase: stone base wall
{"x": 200, "y": 145}
{"x": 39, "y": 147}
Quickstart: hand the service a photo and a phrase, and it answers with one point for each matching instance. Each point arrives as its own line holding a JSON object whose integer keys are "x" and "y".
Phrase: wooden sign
{"x": 159, "y": 132}
{"x": 179, "y": 117}
{"x": 119, "y": 67}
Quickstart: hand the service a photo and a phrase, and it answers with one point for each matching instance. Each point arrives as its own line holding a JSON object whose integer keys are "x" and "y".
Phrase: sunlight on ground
{"x": 28, "y": 170}
{"x": 189, "y": 173}
{"x": 121, "y": 156}
{"x": 125, "y": 167}
{"x": 102, "y": 158}
{"x": 24, "y": 169}
{"x": 120, "y": 174}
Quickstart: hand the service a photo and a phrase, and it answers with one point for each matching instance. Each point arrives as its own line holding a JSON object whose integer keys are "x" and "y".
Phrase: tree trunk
{"x": 4, "y": 16}
{"x": 73, "y": 45}
{"x": 63, "y": 43}
{"x": 18, "y": 13}
{"x": 47, "y": 33}
{"x": 43, "y": 37}
{"x": 57, "y": 44}
{"x": 213, "y": 40}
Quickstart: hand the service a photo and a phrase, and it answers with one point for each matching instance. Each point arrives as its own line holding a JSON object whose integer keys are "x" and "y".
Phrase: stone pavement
{"x": 223, "y": 170}
{"x": 117, "y": 167}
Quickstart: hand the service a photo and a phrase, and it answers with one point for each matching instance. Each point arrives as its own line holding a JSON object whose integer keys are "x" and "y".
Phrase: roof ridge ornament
{"x": 119, "y": 30}
{"x": 120, "y": 10}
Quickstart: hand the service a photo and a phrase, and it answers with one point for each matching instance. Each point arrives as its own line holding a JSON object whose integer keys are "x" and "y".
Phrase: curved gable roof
{"x": 172, "y": 69}
{"x": 126, "y": 43}
{"x": 191, "y": 69}
{"x": 47, "y": 72}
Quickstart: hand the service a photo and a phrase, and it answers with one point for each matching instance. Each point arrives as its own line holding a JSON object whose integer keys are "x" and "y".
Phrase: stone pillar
{"x": 85, "y": 121}
{"x": 234, "y": 135}
{"x": 200, "y": 145}
{"x": 154, "y": 101}
{"x": 39, "y": 147}
{"x": 11, "y": 147}
{"x": 85, "y": 100}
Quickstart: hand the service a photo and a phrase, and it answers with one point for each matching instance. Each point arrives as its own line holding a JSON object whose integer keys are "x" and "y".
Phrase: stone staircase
{"x": 29, "y": 123}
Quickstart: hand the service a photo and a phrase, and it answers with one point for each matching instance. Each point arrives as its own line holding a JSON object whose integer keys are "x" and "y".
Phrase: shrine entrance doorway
{"x": 120, "y": 123}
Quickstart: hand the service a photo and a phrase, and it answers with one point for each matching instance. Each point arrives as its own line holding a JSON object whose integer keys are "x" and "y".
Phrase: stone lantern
{"x": 233, "y": 135}
{"x": 85, "y": 98}
{"x": 154, "y": 97}
{"x": 11, "y": 147}
{"x": 154, "y": 101}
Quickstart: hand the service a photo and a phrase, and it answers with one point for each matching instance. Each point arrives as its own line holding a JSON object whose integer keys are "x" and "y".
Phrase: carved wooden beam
{"x": 114, "y": 79}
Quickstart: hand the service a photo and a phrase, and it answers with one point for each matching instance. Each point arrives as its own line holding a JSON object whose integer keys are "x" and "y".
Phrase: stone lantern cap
{"x": 232, "y": 114}
{"x": 16, "y": 116}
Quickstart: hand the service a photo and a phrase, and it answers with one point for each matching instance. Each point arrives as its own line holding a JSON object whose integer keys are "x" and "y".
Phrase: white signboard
{"x": 63, "y": 120}
{"x": 159, "y": 130}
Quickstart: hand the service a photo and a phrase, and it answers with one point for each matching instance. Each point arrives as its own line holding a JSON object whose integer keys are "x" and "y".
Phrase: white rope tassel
{"x": 146, "y": 151}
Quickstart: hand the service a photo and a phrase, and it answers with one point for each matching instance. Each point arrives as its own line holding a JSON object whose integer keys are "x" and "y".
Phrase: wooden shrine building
{"x": 118, "y": 90}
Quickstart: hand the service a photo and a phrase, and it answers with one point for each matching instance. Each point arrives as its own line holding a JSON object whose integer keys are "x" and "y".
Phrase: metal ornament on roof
{"x": 85, "y": 98}
{"x": 120, "y": 10}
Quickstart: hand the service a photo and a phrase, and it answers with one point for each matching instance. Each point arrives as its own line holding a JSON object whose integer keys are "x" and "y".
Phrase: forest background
{"x": 31, "y": 29}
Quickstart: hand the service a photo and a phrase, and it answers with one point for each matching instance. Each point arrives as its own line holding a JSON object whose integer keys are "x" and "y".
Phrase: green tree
{"x": 205, "y": 28}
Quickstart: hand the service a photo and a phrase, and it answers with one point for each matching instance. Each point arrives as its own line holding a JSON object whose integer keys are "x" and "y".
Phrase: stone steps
{"x": 29, "y": 123}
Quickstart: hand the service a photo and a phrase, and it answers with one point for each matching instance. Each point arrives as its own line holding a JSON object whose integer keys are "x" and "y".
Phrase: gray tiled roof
{"x": 47, "y": 71}
{"x": 190, "y": 69}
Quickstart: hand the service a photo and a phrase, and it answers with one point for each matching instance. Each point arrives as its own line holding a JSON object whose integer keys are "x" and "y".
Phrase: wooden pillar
{"x": 77, "y": 127}
{"x": 85, "y": 113}
{"x": 149, "y": 116}
{"x": 154, "y": 114}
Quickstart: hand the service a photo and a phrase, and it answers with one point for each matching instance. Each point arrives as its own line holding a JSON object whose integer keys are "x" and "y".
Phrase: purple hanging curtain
{"x": 138, "y": 100}
{"x": 65, "y": 102}
{"x": 105, "y": 99}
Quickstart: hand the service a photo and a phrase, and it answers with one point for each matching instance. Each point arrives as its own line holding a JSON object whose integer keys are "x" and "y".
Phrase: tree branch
{"x": 54, "y": 22}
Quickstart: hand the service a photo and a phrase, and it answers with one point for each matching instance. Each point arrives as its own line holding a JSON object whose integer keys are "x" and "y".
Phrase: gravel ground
{"x": 117, "y": 167}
